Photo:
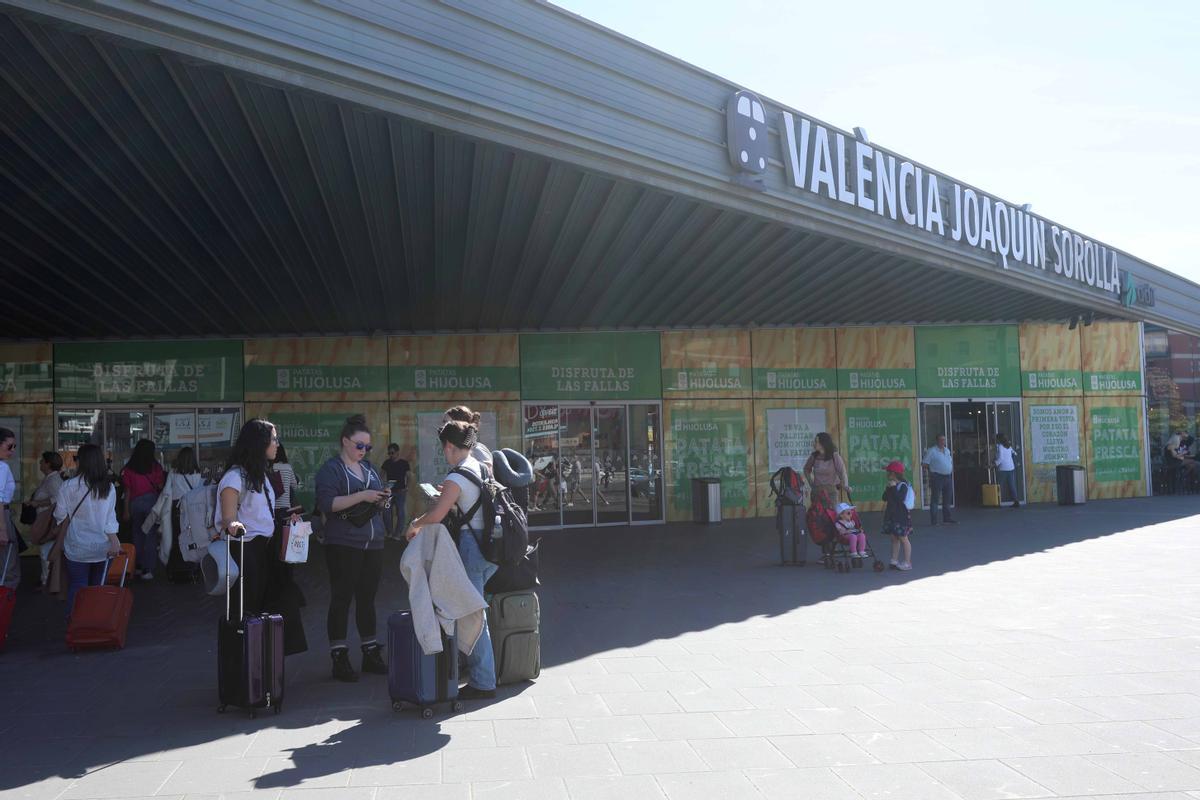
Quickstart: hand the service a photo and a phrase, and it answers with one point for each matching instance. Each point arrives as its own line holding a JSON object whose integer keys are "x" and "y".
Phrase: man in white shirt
{"x": 939, "y": 465}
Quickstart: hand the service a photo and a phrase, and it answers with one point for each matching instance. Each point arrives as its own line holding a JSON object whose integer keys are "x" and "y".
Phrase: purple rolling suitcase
{"x": 249, "y": 656}
{"x": 418, "y": 679}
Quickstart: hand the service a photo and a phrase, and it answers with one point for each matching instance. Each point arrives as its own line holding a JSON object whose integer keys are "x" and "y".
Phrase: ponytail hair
{"x": 462, "y": 435}
{"x": 356, "y": 423}
{"x": 463, "y": 414}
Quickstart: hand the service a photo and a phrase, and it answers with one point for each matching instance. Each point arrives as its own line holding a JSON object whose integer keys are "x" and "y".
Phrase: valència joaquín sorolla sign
{"x": 846, "y": 169}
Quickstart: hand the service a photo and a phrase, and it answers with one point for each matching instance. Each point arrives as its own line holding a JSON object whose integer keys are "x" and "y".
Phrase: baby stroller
{"x": 835, "y": 554}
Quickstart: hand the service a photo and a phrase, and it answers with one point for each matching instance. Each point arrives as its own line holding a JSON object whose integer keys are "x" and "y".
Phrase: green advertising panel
{"x": 311, "y": 440}
{"x": 771, "y": 379}
{"x": 867, "y": 381}
{"x": 1058, "y": 381}
{"x": 968, "y": 361}
{"x": 1113, "y": 382}
{"x": 148, "y": 372}
{"x": 1116, "y": 446}
{"x": 876, "y": 436}
{"x": 274, "y": 378}
{"x": 699, "y": 381}
{"x": 438, "y": 380}
{"x": 590, "y": 366}
{"x": 710, "y": 443}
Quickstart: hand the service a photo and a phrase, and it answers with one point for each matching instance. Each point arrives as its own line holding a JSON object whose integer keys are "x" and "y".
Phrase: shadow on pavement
{"x": 603, "y": 589}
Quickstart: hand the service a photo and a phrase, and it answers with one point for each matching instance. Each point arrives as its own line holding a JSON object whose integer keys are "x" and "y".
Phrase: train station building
{"x": 638, "y": 272}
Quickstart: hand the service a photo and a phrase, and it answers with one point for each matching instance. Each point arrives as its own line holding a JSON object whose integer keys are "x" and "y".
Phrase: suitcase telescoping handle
{"x": 8, "y": 551}
{"x": 241, "y": 583}
{"x": 107, "y": 564}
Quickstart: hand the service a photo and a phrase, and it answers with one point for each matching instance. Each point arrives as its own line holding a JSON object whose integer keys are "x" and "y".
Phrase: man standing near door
{"x": 939, "y": 464}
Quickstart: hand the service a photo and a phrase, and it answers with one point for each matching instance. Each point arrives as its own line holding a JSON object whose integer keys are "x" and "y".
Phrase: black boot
{"x": 342, "y": 670}
{"x": 372, "y": 660}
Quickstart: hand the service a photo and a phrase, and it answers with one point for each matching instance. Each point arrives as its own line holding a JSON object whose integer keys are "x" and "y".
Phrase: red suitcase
{"x": 8, "y": 598}
{"x": 100, "y": 616}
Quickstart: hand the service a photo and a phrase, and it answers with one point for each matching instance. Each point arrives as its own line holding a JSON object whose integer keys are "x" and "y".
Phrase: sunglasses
{"x": 364, "y": 447}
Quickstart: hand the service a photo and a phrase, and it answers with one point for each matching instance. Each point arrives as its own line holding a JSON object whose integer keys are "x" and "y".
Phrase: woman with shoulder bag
{"x": 460, "y": 495}
{"x": 350, "y": 496}
{"x": 90, "y": 502}
{"x": 246, "y": 509}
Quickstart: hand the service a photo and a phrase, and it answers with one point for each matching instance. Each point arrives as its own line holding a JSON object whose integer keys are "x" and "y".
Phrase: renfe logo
{"x": 746, "y": 132}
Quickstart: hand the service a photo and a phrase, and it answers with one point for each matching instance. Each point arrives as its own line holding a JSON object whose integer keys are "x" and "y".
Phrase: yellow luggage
{"x": 991, "y": 495}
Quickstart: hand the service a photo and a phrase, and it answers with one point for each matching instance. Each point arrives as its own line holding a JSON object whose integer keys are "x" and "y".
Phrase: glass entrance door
{"x": 594, "y": 465}
{"x": 1004, "y": 418}
{"x": 211, "y": 431}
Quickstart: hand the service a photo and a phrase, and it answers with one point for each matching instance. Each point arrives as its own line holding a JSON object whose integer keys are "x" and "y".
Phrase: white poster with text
{"x": 1054, "y": 432}
{"x": 790, "y": 434}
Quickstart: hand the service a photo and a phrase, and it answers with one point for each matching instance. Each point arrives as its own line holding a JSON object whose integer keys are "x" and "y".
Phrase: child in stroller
{"x": 839, "y": 532}
{"x": 850, "y": 533}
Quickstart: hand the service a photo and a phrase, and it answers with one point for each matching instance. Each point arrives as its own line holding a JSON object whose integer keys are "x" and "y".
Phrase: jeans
{"x": 146, "y": 543}
{"x": 1008, "y": 478}
{"x": 941, "y": 488}
{"x": 481, "y": 664}
{"x": 353, "y": 577}
{"x": 81, "y": 574}
{"x": 394, "y": 525}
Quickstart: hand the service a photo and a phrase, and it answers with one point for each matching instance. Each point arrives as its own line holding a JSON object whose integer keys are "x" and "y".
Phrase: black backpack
{"x": 505, "y": 535}
{"x": 787, "y": 487}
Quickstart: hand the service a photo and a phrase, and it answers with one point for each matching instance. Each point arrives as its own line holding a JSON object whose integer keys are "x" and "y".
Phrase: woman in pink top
{"x": 826, "y": 472}
{"x": 143, "y": 479}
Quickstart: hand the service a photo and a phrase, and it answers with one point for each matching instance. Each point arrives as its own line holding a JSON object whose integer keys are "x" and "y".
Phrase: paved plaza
{"x": 1045, "y": 652}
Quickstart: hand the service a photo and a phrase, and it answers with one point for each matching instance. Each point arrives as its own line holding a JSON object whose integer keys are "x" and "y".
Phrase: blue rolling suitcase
{"x": 249, "y": 655}
{"x": 415, "y": 678}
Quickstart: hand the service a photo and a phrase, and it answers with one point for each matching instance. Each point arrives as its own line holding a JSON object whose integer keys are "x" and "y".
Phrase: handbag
{"x": 359, "y": 514}
{"x": 294, "y": 543}
{"x": 29, "y": 512}
{"x": 60, "y": 530}
{"x": 41, "y": 529}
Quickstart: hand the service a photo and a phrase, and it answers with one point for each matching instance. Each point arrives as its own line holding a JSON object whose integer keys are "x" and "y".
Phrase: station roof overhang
{"x": 170, "y": 170}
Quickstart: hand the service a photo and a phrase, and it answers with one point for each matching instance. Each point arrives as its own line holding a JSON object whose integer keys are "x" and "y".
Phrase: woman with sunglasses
{"x": 354, "y": 554}
{"x": 10, "y": 575}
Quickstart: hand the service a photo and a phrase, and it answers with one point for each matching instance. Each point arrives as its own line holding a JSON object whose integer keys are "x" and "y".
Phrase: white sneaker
{"x": 147, "y": 576}
{"x": 894, "y": 563}
{"x": 905, "y": 567}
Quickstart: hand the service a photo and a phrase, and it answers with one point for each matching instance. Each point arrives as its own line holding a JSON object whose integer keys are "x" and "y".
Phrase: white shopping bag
{"x": 295, "y": 543}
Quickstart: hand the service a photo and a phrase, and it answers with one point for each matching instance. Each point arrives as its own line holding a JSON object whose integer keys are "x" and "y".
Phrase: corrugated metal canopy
{"x": 148, "y": 196}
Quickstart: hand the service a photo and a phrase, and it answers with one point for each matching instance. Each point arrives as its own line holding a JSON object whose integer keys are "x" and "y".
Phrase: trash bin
{"x": 1072, "y": 484}
{"x": 706, "y": 500}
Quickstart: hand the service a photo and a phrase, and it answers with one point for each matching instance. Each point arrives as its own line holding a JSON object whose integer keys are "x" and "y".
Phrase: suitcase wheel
{"x": 457, "y": 705}
{"x": 397, "y": 705}
{"x": 253, "y": 714}
{"x": 879, "y": 566}
{"x": 427, "y": 713}
{"x": 221, "y": 709}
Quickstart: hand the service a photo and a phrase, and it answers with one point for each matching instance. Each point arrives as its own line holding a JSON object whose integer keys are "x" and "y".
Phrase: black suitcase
{"x": 415, "y": 678}
{"x": 250, "y": 655}
{"x": 793, "y": 540}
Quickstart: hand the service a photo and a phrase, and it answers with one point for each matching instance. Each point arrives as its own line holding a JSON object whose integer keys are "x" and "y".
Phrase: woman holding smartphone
{"x": 354, "y": 554}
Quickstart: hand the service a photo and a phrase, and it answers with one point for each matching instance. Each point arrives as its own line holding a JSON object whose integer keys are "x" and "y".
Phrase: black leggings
{"x": 253, "y": 569}
{"x": 353, "y": 576}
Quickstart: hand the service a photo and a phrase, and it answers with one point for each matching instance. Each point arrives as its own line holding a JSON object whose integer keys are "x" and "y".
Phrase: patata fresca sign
{"x": 843, "y": 168}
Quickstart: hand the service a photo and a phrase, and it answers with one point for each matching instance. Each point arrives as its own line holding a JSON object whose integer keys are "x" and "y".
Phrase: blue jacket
{"x": 334, "y": 480}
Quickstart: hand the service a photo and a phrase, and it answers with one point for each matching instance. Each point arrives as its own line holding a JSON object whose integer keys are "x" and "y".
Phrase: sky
{"x": 1089, "y": 111}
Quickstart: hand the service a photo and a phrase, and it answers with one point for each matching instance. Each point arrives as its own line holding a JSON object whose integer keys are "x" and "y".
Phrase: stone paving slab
{"x": 1046, "y": 652}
